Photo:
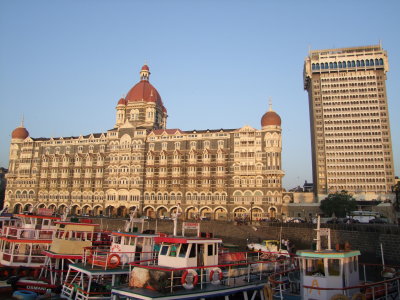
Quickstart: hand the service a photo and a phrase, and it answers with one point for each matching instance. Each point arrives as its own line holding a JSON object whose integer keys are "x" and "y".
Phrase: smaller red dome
{"x": 145, "y": 67}
{"x": 122, "y": 101}
{"x": 270, "y": 118}
{"x": 20, "y": 133}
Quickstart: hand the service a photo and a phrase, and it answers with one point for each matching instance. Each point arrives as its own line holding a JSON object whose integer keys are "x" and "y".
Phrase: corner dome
{"x": 271, "y": 118}
{"x": 122, "y": 101}
{"x": 20, "y": 133}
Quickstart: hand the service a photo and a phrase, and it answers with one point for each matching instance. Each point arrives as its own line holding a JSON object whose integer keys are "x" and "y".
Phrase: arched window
{"x": 335, "y": 65}
{"x": 353, "y": 63}
{"x": 349, "y": 64}
{"x": 376, "y": 62}
{"x": 340, "y": 64}
{"x": 322, "y": 66}
{"x": 371, "y": 62}
{"x": 367, "y": 62}
{"x": 381, "y": 61}
{"x": 317, "y": 67}
{"x": 358, "y": 63}
{"x": 362, "y": 63}
{"x": 331, "y": 65}
{"x": 313, "y": 66}
{"x": 326, "y": 65}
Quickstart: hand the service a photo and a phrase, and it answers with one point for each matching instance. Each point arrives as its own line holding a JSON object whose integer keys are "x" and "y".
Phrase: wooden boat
{"x": 69, "y": 242}
{"x": 333, "y": 274}
{"x": 22, "y": 241}
{"x": 194, "y": 268}
{"x": 103, "y": 267}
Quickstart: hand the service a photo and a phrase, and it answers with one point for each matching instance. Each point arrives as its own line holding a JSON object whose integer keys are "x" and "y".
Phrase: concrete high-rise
{"x": 349, "y": 119}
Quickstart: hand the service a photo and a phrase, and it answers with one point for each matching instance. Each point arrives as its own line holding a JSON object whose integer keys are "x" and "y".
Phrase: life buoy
{"x": 268, "y": 293}
{"x": 113, "y": 260}
{"x": 189, "y": 285}
{"x": 220, "y": 276}
{"x": 358, "y": 296}
{"x": 339, "y": 297}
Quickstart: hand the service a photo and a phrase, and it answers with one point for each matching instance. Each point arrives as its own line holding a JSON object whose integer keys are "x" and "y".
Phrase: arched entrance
{"x": 97, "y": 210}
{"x": 240, "y": 213}
{"x": 149, "y": 212}
{"x": 28, "y": 207}
{"x": 256, "y": 213}
{"x": 86, "y": 210}
{"x": 17, "y": 208}
{"x": 110, "y": 211}
{"x": 62, "y": 208}
{"x": 162, "y": 212}
{"x": 220, "y": 214}
{"x": 122, "y": 211}
{"x": 272, "y": 212}
{"x": 206, "y": 213}
{"x": 75, "y": 210}
{"x": 52, "y": 207}
{"x": 192, "y": 213}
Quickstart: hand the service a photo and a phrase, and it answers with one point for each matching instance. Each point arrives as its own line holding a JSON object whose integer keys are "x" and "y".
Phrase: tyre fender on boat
{"x": 220, "y": 276}
{"x": 359, "y": 296}
{"x": 113, "y": 260}
{"x": 186, "y": 284}
{"x": 24, "y": 295}
{"x": 268, "y": 293}
{"x": 339, "y": 297}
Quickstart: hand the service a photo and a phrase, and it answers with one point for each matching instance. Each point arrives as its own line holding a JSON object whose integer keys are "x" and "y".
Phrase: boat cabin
{"x": 72, "y": 238}
{"x": 133, "y": 246}
{"x": 37, "y": 221}
{"x": 328, "y": 269}
{"x": 184, "y": 252}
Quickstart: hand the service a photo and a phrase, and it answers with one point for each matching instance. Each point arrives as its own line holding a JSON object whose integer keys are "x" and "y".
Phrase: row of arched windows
{"x": 348, "y": 64}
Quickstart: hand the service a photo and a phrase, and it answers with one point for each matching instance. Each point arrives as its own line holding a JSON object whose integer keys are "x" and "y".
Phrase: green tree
{"x": 396, "y": 190}
{"x": 340, "y": 203}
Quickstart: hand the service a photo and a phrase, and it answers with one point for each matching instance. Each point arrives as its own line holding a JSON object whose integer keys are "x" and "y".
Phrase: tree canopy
{"x": 340, "y": 203}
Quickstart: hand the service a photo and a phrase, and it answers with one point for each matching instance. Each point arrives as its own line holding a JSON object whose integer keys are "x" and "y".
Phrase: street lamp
{"x": 251, "y": 212}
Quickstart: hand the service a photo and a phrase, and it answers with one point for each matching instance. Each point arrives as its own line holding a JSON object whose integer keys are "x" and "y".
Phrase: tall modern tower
{"x": 350, "y": 131}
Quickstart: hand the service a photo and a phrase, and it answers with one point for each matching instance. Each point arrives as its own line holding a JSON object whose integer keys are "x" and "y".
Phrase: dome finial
{"x": 270, "y": 103}
{"x": 22, "y": 121}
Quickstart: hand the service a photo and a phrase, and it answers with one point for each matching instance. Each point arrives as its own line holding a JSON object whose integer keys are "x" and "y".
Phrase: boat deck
{"x": 99, "y": 270}
{"x": 207, "y": 291}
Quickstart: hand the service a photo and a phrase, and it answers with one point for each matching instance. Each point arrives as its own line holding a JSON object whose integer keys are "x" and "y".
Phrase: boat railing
{"x": 28, "y": 233}
{"x": 252, "y": 268}
{"x": 32, "y": 257}
{"x": 101, "y": 256}
{"x": 96, "y": 237}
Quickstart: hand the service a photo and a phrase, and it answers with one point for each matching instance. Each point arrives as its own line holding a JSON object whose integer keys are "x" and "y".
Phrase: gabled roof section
{"x": 166, "y": 131}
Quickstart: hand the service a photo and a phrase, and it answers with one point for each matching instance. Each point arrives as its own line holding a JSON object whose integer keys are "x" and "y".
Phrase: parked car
{"x": 295, "y": 220}
{"x": 378, "y": 221}
{"x": 350, "y": 221}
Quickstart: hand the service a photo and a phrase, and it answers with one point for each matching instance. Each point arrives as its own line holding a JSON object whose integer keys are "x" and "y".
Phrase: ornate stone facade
{"x": 350, "y": 130}
{"x": 216, "y": 174}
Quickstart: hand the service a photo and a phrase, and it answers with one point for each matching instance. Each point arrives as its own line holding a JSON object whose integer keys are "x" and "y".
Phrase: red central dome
{"x": 143, "y": 91}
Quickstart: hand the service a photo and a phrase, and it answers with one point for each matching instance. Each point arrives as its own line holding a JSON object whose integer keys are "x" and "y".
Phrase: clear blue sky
{"x": 65, "y": 64}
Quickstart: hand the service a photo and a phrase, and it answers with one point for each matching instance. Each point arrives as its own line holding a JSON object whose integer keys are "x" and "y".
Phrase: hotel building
{"x": 217, "y": 174}
{"x": 349, "y": 119}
